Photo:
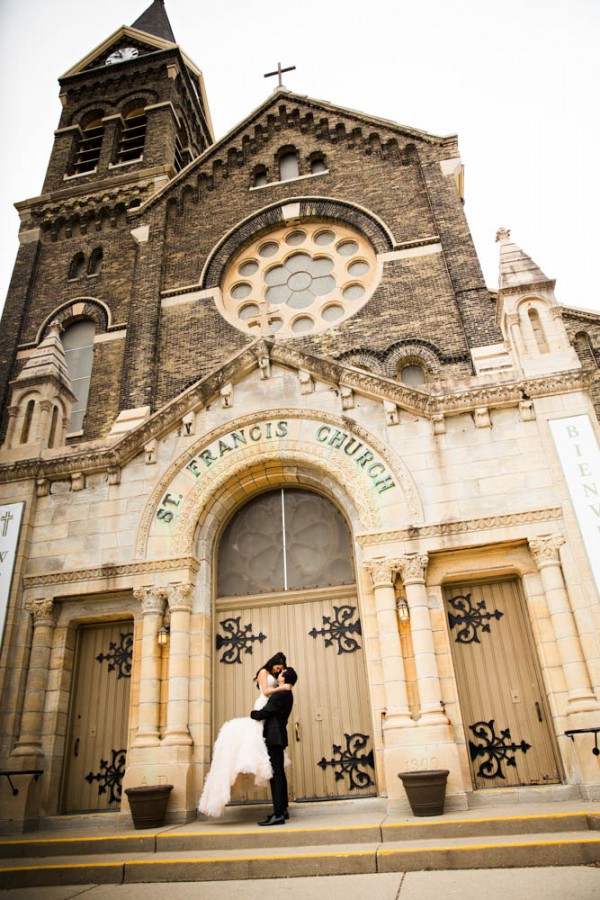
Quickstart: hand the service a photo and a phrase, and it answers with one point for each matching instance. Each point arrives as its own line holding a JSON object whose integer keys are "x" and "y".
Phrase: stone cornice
{"x": 102, "y": 457}
{"x": 443, "y": 529}
{"x": 129, "y": 570}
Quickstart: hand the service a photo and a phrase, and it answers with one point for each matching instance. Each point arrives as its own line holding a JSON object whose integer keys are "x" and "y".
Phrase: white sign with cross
{"x": 10, "y": 524}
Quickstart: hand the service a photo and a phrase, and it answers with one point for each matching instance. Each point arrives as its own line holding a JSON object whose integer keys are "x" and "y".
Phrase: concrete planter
{"x": 426, "y": 790}
{"x": 149, "y": 804}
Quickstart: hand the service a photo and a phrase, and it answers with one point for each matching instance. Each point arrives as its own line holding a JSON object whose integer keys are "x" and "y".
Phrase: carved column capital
{"x": 42, "y": 611}
{"x": 179, "y": 597}
{"x": 382, "y": 571}
{"x": 151, "y": 599}
{"x": 413, "y": 568}
{"x": 545, "y": 549}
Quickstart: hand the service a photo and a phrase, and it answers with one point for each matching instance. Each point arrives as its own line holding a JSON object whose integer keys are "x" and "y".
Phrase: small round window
{"x": 299, "y": 280}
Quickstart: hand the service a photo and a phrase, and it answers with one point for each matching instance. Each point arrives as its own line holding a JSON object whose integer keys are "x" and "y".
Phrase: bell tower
{"x": 134, "y": 112}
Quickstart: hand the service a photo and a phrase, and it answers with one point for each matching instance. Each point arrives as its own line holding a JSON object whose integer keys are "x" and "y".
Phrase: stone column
{"x": 514, "y": 323}
{"x": 30, "y": 737}
{"x": 180, "y": 604}
{"x": 412, "y": 572}
{"x": 382, "y": 572}
{"x": 545, "y": 551}
{"x": 153, "y": 601}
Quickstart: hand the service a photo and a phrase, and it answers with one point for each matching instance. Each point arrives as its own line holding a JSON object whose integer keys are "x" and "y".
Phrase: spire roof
{"x": 155, "y": 21}
{"x": 516, "y": 268}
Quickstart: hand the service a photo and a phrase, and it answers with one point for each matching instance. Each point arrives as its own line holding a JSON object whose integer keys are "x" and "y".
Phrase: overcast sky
{"x": 517, "y": 80}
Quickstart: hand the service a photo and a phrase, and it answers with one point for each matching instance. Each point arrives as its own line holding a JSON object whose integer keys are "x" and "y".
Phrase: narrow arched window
{"x": 288, "y": 166}
{"x": 90, "y": 143}
{"x": 538, "y": 331}
{"x": 53, "y": 425}
{"x": 317, "y": 165}
{"x": 77, "y": 266}
{"x": 132, "y": 136}
{"x": 27, "y": 421}
{"x": 260, "y": 177}
{"x": 412, "y": 375}
{"x": 78, "y": 343}
{"x": 95, "y": 263}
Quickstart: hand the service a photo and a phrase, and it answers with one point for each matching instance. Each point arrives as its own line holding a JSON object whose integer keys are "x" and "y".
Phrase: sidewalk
{"x": 561, "y": 883}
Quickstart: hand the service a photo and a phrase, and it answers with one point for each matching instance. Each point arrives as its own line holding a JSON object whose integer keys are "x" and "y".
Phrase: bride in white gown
{"x": 240, "y": 748}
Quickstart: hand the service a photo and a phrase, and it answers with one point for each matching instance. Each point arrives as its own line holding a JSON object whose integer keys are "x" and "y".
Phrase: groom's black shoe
{"x": 274, "y": 820}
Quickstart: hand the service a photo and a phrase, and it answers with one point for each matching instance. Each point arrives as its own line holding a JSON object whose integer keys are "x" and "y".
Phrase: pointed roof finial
{"x": 502, "y": 235}
{"x": 155, "y": 21}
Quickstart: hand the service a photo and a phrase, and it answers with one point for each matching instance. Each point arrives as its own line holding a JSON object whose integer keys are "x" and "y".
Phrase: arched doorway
{"x": 286, "y": 581}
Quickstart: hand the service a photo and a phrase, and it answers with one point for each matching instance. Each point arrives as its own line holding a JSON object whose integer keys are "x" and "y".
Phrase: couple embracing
{"x": 255, "y": 745}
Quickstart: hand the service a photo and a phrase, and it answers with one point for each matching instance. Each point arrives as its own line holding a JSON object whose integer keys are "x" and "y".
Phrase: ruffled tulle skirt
{"x": 239, "y": 749}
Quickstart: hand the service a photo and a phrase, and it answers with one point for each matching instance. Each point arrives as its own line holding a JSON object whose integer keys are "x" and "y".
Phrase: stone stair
{"x": 322, "y": 840}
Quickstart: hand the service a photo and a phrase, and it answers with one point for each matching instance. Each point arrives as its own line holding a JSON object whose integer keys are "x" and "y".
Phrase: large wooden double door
{"x": 505, "y": 714}
{"x": 330, "y": 729}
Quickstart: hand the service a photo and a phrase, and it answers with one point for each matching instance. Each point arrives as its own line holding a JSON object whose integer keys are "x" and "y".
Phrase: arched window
{"x": 284, "y": 540}
{"x": 78, "y": 343}
{"x": 90, "y": 142}
{"x": 132, "y": 136}
{"x": 317, "y": 165}
{"x": 27, "y": 421}
{"x": 538, "y": 330}
{"x": 411, "y": 375}
{"x": 77, "y": 266}
{"x": 288, "y": 166}
{"x": 183, "y": 154}
{"x": 95, "y": 263}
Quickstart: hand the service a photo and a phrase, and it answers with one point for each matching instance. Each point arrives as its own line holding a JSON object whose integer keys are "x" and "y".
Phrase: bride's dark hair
{"x": 277, "y": 660}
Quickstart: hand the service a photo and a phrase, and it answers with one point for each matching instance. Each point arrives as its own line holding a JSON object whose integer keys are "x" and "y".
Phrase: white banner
{"x": 579, "y": 456}
{"x": 10, "y": 523}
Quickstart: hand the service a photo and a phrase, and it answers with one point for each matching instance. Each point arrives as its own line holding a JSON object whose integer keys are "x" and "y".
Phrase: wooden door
{"x": 97, "y": 743}
{"x": 503, "y": 705}
{"x": 331, "y": 745}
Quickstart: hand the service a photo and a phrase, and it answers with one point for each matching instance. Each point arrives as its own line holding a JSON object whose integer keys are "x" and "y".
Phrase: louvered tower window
{"x": 183, "y": 154}
{"x": 133, "y": 134}
{"x": 88, "y": 151}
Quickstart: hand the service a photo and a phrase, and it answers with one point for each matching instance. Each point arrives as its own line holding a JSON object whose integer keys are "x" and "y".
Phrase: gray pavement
{"x": 559, "y": 883}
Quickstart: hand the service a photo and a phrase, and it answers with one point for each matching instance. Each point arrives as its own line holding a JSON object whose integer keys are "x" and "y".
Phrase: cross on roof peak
{"x": 279, "y": 72}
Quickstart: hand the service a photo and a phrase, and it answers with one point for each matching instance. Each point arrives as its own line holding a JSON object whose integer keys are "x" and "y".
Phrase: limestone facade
{"x": 465, "y": 478}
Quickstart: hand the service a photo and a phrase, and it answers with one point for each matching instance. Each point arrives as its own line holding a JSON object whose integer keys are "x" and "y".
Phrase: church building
{"x": 257, "y": 397}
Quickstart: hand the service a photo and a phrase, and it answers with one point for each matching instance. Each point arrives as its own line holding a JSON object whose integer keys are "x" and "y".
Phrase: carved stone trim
{"x": 179, "y": 597}
{"x": 151, "y": 599}
{"x": 383, "y": 571}
{"x": 467, "y": 525}
{"x": 111, "y": 572}
{"x": 42, "y": 611}
{"x": 413, "y": 568}
{"x": 546, "y": 550}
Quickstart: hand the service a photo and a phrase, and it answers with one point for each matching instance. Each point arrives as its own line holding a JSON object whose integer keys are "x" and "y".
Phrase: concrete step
{"x": 570, "y": 848}
{"x": 301, "y": 831}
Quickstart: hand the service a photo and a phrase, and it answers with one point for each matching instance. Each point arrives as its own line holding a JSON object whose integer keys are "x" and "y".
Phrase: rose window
{"x": 299, "y": 280}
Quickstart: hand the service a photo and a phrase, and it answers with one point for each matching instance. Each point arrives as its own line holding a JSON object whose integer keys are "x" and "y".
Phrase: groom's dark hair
{"x": 290, "y": 676}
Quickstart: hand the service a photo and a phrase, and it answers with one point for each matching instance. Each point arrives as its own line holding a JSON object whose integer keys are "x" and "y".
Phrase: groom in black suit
{"x": 275, "y": 713}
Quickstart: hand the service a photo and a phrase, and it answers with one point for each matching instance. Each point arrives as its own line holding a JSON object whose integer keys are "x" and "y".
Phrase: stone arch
{"x": 186, "y": 495}
{"x": 81, "y": 308}
{"x": 278, "y": 213}
{"x": 363, "y": 359}
{"x": 415, "y": 353}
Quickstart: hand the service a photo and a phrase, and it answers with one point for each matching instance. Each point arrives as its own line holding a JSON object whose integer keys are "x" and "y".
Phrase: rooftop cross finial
{"x": 503, "y": 235}
{"x": 279, "y": 72}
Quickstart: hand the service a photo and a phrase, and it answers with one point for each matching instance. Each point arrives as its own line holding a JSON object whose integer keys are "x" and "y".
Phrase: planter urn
{"x": 148, "y": 804}
{"x": 426, "y": 790}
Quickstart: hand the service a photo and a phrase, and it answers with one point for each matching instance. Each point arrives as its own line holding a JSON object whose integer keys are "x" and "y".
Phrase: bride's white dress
{"x": 239, "y": 749}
